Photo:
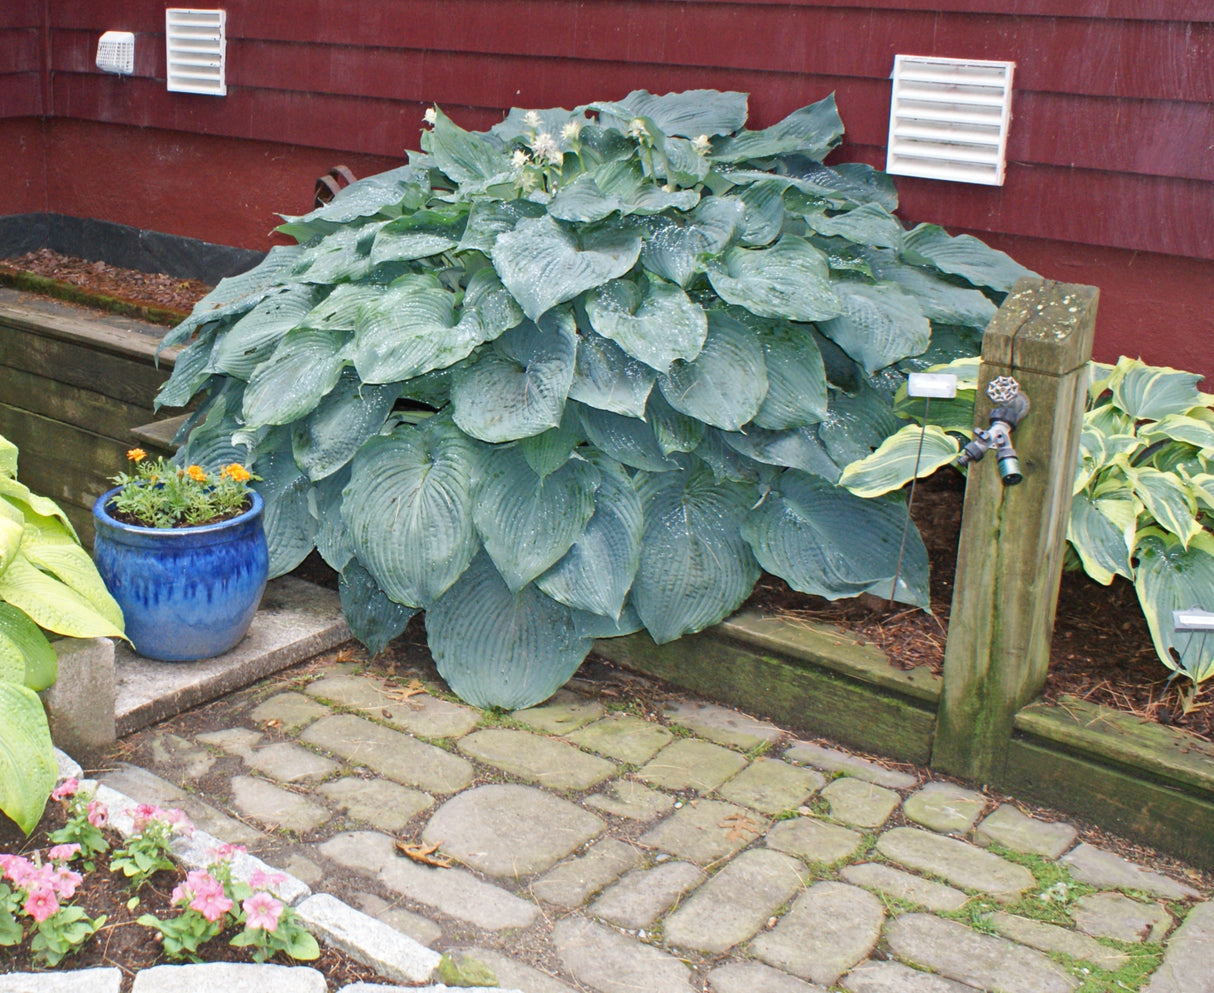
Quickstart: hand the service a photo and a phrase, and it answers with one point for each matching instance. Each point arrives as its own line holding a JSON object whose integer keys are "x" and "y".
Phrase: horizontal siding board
{"x": 20, "y": 95}
{"x": 21, "y": 14}
{"x": 19, "y": 49}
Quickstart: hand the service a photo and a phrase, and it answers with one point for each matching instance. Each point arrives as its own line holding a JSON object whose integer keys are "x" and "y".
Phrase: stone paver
{"x": 288, "y": 712}
{"x": 233, "y": 976}
{"x": 830, "y": 928}
{"x": 417, "y": 927}
{"x": 706, "y": 832}
{"x": 537, "y": 759}
{"x": 771, "y": 786}
{"x": 1008, "y": 827}
{"x": 623, "y": 737}
{"x": 957, "y": 952}
{"x": 572, "y": 883}
{"x": 899, "y": 885}
{"x": 510, "y": 831}
{"x": 284, "y": 761}
{"x": 1053, "y": 938}
{"x": 736, "y": 902}
{"x": 1090, "y": 864}
{"x": 813, "y": 840}
{"x": 450, "y": 891}
{"x": 755, "y": 977}
{"x": 960, "y": 863}
{"x": 419, "y": 714}
{"x": 276, "y": 808}
{"x": 860, "y": 803}
{"x": 837, "y": 760}
{"x": 182, "y": 755}
{"x": 514, "y": 975}
{"x": 691, "y": 764}
{"x": 563, "y": 713}
{"x": 944, "y": 807}
{"x": 644, "y": 895}
{"x": 384, "y": 805}
{"x": 72, "y": 981}
{"x": 627, "y": 798}
{"x": 724, "y": 726}
{"x": 1114, "y": 915}
{"x": 390, "y": 753}
{"x": 894, "y": 977}
{"x": 1186, "y": 962}
{"x": 608, "y": 962}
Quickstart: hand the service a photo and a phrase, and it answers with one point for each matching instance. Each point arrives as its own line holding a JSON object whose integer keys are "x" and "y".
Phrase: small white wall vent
{"x": 948, "y": 119}
{"x": 196, "y": 43}
{"x": 116, "y": 52}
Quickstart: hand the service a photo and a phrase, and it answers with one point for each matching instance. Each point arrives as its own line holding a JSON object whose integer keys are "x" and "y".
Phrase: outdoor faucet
{"x": 1011, "y": 406}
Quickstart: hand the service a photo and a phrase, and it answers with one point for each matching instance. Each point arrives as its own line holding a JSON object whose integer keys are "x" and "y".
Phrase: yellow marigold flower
{"x": 237, "y": 472}
{"x": 196, "y": 473}
{"x": 136, "y": 454}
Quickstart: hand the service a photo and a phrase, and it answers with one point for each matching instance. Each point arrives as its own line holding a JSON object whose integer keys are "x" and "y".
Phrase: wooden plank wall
{"x": 22, "y": 49}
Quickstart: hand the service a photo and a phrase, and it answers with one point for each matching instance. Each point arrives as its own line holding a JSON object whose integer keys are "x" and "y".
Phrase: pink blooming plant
{"x": 262, "y": 911}
{"x": 41, "y": 903}
{"x": 64, "y": 853}
{"x": 65, "y": 789}
{"x": 97, "y": 814}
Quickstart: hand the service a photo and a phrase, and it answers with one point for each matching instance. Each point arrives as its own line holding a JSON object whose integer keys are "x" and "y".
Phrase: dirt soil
{"x": 1102, "y": 648}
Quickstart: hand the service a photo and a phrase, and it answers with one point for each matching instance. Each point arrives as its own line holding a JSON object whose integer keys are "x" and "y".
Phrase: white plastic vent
{"x": 949, "y": 118}
{"x": 116, "y": 52}
{"x": 196, "y": 43}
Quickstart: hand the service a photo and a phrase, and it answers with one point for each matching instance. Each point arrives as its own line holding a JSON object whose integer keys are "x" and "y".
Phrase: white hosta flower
{"x": 571, "y": 130}
{"x": 546, "y": 148}
{"x": 519, "y": 158}
{"x": 637, "y": 129}
{"x": 532, "y": 119}
{"x": 702, "y": 145}
{"x": 430, "y": 116}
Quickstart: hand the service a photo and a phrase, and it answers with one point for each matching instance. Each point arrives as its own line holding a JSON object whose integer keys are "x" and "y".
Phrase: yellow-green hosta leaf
{"x": 18, "y": 494}
{"x": 1167, "y": 500}
{"x": 1182, "y": 427}
{"x": 1103, "y": 532}
{"x": 1152, "y": 392}
{"x": 12, "y": 529}
{"x": 26, "y": 656}
{"x": 893, "y": 464}
{"x": 8, "y": 458}
{"x": 71, "y": 565}
{"x": 27, "y": 756}
{"x": 1202, "y": 487}
{"x": 1170, "y": 577}
{"x": 52, "y": 604}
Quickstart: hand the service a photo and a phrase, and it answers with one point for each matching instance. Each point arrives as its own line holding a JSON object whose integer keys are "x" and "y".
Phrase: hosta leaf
{"x": 674, "y": 431}
{"x": 252, "y": 339}
{"x": 1168, "y": 578}
{"x": 1167, "y": 500}
{"x": 210, "y": 443}
{"x": 8, "y": 457}
{"x": 54, "y": 549}
{"x": 27, "y": 756}
{"x": 410, "y": 330}
{"x": 790, "y": 280}
{"x": 498, "y": 648}
{"x": 726, "y": 462}
{"x": 725, "y": 384}
{"x": 675, "y": 247}
{"x": 867, "y": 224}
{"x": 696, "y": 569}
{"x": 351, "y": 413}
{"x": 190, "y": 373}
{"x": 491, "y": 303}
{"x": 582, "y": 201}
{"x": 763, "y": 219}
{"x": 290, "y": 383}
{"x": 52, "y": 604}
{"x": 688, "y": 114}
{"x": 373, "y": 618}
{"x": 962, "y": 255}
{"x": 796, "y": 378}
{"x": 288, "y": 520}
{"x": 547, "y": 452}
{"x": 656, "y": 325}
{"x": 26, "y": 656}
{"x": 629, "y": 440}
{"x": 855, "y": 424}
{"x": 544, "y": 263}
{"x": 603, "y": 626}
{"x": 342, "y": 255}
{"x": 812, "y": 131}
{"x": 597, "y": 571}
{"x": 332, "y": 535}
{"x": 493, "y": 217}
{"x": 517, "y": 388}
{"x": 1152, "y": 392}
{"x": 462, "y": 155}
{"x": 362, "y": 198}
{"x": 12, "y": 531}
{"x": 879, "y": 325}
{"x": 938, "y": 298}
{"x": 528, "y": 521}
{"x": 340, "y": 310}
{"x": 605, "y": 376}
{"x": 1103, "y": 534}
{"x": 419, "y": 235}
{"x": 408, "y": 508}
{"x": 911, "y": 452}
{"x": 799, "y": 448}
{"x": 805, "y": 533}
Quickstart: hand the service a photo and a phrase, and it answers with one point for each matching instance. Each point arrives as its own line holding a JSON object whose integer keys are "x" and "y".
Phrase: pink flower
{"x": 41, "y": 903}
{"x": 266, "y": 880}
{"x": 65, "y": 789}
{"x": 177, "y": 818}
{"x": 228, "y": 850}
{"x": 211, "y": 904}
{"x": 97, "y": 814}
{"x": 66, "y": 881}
{"x": 63, "y": 853}
{"x": 262, "y": 911}
{"x": 144, "y": 814}
{"x": 181, "y": 894}
{"x": 18, "y": 869}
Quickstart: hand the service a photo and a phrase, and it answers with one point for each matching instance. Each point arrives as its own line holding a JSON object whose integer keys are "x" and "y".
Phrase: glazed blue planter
{"x": 186, "y": 593}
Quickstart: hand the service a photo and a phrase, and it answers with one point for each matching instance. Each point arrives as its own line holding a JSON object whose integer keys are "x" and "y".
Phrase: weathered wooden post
{"x": 1009, "y": 563}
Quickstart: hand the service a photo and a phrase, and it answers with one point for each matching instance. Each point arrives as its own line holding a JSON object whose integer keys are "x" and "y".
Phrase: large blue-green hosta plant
{"x": 584, "y": 373}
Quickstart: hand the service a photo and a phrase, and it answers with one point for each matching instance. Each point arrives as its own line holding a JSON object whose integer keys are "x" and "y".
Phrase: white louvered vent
{"x": 196, "y": 42}
{"x": 949, "y": 118}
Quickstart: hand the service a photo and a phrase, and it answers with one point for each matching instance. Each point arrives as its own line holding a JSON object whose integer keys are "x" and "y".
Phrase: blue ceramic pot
{"x": 185, "y": 593}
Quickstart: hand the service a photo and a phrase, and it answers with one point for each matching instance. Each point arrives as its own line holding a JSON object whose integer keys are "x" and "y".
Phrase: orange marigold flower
{"x": 196, "y": 473}
{"x": 136, "y": 454}
{"x": 237, "y": 472}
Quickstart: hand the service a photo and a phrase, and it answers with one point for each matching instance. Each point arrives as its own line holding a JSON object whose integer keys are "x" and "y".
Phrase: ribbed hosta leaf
{"x": 291, "y": 382}
{"x": 373, "y": 618}
{"x": 544, "y": 263}
{"x": 1179, "y": 427}
{"x": 763, "y": 217}
{"x": 528, "y": 521}
{"x": 939, "y": 297}
{"x": 796, "y": 378}
{"x": 332, "y": 536}
{"x": 855, "y": 424}
{"x": 190, "y": 372}
{"x": 725, "y": 384}
{"x": 51, "y": 546}
{"x": 911, "y": 452}
{"x": 517, "y": 387}
{"x": 1151, "y": 392}
{"x": 674, "y": 431}
{"x": 597, "y": 571}
{"x": 812, "y": 131}
{"x": 367, "y": 197}
{"x": 547, "y": 452}
{"x": 689, "y": 114}
{"x": 583, "y": 202}
{"x": 696, "y": 569}
{"x": 26, "y": 656}
{"x": 52, "y": 604}
{"x": 491, "y": 303}
{"x": 411, "y": 329}
{"x": 252, "y": 339}
{"x": 408, "y": 509}
{"x": 605, "y": 376}
{"x": 1103, "y": 533}
{"x": 342, "y": 255}
{"x": 602, "y": 626}
{"x": 462, "y": 155}
{"x": 964, "y": 256}
{"x": 328, "y": 437}
{"x": 879, "y": 325}
{"x": 806, "y": 531}
{"x": 27, "y": 756}
{"x": 419, "y": 235}
{"x": 790, "y": 279}
{"x": 490, "y": 218}
{"x": 676, "y": 246}
{"x": 340, "y": 310}
{"x": 497, "y": 648}
{"x": 657, "y": 325}
{"x": 288, "y": 520}
{"x": 1169, "y": 578}
{"x": 799, "y": 448}
{"x": 1167, "y": 500}
{"x": 626, "y": 439}
{"x": 867, "y": 224}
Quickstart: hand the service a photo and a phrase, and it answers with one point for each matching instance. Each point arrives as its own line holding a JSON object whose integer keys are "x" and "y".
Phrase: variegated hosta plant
{"x": 585, "y": 373}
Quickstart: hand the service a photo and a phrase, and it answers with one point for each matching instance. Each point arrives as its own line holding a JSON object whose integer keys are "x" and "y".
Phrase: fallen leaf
{"x": 423, "y": 854}
{"x": 402, "y": 693}
{"x": 740, "y": 826}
